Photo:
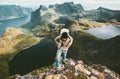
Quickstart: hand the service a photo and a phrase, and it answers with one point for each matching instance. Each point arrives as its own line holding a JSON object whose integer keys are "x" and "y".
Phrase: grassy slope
{"x": 11, "y": 42}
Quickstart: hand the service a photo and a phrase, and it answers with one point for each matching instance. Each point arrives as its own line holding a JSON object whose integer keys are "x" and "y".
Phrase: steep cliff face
{"x": 36, "y": 15}
{"x": 71, "y": 69}
{"x": 13, "y": 11}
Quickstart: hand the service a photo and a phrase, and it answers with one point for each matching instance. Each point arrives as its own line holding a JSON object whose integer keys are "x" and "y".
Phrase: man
{"x": 64, "y": 41}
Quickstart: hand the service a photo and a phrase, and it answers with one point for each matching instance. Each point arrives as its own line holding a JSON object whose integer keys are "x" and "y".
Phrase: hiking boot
{"x": 65, "y": 61}
{"x": 60, "y": 68}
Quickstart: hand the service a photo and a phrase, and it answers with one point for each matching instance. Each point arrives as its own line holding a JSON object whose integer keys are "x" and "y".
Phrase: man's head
{"x": 64, "y": 30}
{"x": 64, "y": 36}
{"x": 64, "y": 33}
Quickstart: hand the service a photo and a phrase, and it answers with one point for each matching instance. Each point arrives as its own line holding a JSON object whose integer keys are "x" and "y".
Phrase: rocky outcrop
{"x": 43, "y": 8}
{"x": 72, "y": 69}
{"x": 36, "y": 16}
{"x": 13, "y": 11}
{"x": 35, "y": 19}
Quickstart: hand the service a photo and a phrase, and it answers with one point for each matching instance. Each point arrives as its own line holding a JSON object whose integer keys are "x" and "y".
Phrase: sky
{"x": 87, "y": 4}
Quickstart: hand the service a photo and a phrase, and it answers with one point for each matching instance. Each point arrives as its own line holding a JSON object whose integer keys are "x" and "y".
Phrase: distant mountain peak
{"x": 102, "y": 8}
{"x": 68, "y": 8}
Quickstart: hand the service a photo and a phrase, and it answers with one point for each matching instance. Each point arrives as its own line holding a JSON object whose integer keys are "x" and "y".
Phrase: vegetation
{"x": 82, "y": 24}
{"x": 94, "y": 50}
{"x": 12, "y": 77}
{"x": 11, "y": 42}
{"x": 46, "y": 16}
{"x": 41, "y": 30}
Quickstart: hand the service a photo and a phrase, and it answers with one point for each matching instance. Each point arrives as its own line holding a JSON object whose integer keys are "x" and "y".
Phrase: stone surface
{"x": 71, "y": 71}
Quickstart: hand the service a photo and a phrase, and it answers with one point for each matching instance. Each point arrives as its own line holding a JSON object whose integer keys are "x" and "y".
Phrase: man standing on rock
{"x": 63, "y": 41}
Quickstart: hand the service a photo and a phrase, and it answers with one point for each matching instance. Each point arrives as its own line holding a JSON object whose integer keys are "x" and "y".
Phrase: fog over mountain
{"x": 13, "y": 11}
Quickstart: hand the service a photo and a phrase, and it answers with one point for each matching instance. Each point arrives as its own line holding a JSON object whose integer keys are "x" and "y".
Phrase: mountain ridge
{"x": 71, "y": 69}
{"x": 89, "y": 46}
{"x": 60, "y": 19}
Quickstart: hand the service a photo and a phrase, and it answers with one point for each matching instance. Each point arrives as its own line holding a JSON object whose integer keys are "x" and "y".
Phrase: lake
{"x": 16, "y": 23}
{"x": 105, "y": 32}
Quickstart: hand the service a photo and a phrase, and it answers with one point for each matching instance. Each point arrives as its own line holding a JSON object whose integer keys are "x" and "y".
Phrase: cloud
{"x": 54, "y": 1}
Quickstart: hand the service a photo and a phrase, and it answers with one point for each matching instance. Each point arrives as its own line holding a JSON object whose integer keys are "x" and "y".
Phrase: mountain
{"x": 59, "y": 14}
{"x": 107, "y": 14}
{"x": 13, "y": 11}
{"x": 101, "y": 14}
{"x": 85, "y": 46}
{"x": 68, "y": 8}
{"x": 91, "y": 49}
{"x": 46, "y": 22}
{"x": 12, "y": 42}
{"x": 53, "y": 18}
{"x": 71, "y": 69}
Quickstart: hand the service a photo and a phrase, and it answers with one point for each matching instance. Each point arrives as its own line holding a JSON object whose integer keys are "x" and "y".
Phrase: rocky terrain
{"x": 12, "y": 11}
{"x": 71, "y": 69}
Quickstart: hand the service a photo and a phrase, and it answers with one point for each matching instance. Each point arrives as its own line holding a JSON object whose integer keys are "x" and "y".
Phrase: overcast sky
{"x": 87, "y": 4}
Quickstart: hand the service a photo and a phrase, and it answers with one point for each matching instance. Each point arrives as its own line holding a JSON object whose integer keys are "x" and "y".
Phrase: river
{"x": 105, "y": 32}
{"x": 16, "y": 23}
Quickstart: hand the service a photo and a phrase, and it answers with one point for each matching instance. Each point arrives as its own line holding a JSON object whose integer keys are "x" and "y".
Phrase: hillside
{"x": 12, "y": 11}
{"x": 85, "y": 46}
{"x": 11, "y": 42}
{"x": 71, "y": 69}
{"x": 94, "y": 50}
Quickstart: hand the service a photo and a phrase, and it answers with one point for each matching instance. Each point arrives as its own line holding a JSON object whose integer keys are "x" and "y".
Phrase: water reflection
{"x": 16, "y": 23}
{"x": 105, "y": 32}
